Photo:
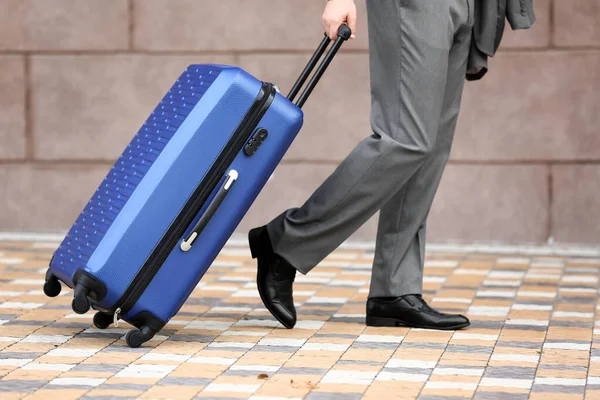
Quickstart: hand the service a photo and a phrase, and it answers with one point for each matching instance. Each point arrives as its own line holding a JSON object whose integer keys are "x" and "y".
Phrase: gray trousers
{"x": 418, "y": 59}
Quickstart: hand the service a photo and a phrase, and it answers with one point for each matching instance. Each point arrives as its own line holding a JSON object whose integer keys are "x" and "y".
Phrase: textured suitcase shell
{"x": 155, "y": 176}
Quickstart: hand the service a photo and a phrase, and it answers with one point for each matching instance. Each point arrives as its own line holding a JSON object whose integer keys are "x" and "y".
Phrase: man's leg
{"x": 409, "y": 45}
{"x": 400, "y": 251}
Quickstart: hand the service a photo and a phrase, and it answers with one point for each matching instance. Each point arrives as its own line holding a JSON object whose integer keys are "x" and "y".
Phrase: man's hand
{"x": 336, "y": 13}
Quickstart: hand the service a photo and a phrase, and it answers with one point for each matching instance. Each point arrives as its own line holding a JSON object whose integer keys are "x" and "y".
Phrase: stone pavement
{"x": 533, "y": 334}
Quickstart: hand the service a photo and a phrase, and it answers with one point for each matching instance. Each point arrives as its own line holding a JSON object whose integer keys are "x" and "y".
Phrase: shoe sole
{"x": 251, "y": 237}
{"x": 393, "y": 322}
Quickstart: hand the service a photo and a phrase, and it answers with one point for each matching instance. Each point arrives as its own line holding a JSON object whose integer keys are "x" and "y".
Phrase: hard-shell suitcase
{"x": 177, "y": 193}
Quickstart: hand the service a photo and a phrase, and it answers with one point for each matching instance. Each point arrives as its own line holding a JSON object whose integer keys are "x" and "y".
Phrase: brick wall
{"x": 78, "y": 77}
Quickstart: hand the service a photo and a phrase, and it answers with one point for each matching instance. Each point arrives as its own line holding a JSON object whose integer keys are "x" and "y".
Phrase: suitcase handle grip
{"x": 344, "y": 33}
{"x": 212, "y": 208}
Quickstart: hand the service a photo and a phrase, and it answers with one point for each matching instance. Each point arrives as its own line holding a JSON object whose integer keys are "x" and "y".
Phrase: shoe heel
{"x": 380, "y": 321}
{"x": 255, "y": 242}
{"x": 252, "y": 236}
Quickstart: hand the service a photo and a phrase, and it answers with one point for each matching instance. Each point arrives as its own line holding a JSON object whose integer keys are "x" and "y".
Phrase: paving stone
{"x": 510, "y": 372}
{"x": 174, "y": 381}
{"x": 28, "y": 386}
{"x": 229, "y": 360}
{"x": 500, "y": 396}
{"x": 333, "y": 396}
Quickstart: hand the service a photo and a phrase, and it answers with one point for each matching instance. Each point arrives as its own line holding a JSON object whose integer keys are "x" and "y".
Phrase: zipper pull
{"x": 116, "y": 317}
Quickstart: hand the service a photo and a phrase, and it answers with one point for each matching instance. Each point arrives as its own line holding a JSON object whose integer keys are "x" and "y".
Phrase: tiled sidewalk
{"x": 532, "y": 335}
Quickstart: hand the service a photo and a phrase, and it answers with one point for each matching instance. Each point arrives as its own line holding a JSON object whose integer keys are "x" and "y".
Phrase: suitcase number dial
{"x": 232, "y": 176}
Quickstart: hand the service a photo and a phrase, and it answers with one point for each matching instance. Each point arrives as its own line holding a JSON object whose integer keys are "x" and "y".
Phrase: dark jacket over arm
{"x": 490, "y": 20}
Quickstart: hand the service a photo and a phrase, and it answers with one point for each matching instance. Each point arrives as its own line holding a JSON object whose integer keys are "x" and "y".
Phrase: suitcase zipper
{"x": 193, "y": 206}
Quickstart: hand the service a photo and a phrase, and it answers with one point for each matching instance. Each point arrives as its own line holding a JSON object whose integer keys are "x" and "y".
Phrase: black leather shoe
{"x": 275, "y": 278}
{"x": 411, "y": 311}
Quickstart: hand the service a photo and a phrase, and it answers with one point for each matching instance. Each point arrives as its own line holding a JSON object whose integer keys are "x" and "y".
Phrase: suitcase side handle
{"x": 344, "y": 33}
{"x": 212, "y": 208}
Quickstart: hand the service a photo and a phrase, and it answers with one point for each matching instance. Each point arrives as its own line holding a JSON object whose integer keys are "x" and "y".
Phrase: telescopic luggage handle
{"x": 344, "y": 33}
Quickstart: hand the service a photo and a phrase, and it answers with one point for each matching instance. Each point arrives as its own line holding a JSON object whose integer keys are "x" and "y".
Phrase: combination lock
{"x": 255, "y": 141}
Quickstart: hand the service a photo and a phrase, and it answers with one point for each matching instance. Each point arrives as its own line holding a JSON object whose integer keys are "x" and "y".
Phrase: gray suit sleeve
{"x": 520, "y": 14}
{"x": 477, "y": 63}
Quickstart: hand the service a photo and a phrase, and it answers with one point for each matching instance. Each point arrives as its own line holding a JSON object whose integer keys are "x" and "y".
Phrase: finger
{"x": 325, "y": 24}
{"x": 333, "y": 30}
{"x": 351, "y": 20}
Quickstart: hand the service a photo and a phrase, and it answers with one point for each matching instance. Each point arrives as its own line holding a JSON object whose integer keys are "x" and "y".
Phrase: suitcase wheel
{"x": 81, "y": 303}
{"x": 52, "y": 286}
{"x": 102, "y": 320}
{"x": 135, "y": 338}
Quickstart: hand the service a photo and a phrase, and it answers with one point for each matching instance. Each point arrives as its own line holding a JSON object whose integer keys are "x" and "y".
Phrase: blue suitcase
{"x": 177, "y": 193}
